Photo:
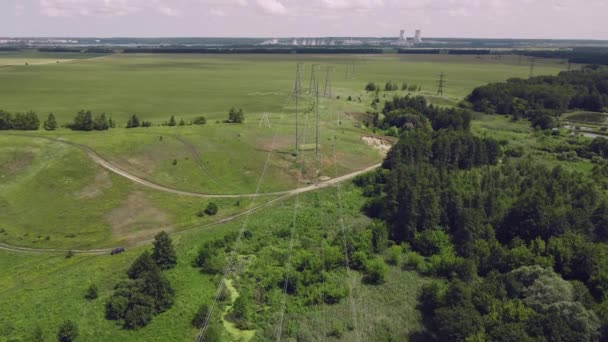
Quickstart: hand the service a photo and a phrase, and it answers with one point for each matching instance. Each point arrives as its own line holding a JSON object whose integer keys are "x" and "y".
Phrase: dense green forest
{"x": 542, "y": 99}
{"x": 518, "y": 248}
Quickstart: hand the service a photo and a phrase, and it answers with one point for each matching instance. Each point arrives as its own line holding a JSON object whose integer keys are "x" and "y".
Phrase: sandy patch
{"x": 379, "y": 144}
{"x": 102, "y": 182}
{"x": 136, "y": 218}
{"x": 15, "y": 162}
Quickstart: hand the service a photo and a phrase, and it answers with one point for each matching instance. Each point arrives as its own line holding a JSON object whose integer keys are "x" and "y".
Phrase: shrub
{"x": 91, "y": 292}
{"x": 236, "y": 116}
{"x": 375, "y": 271}
{"x": 413, "y": 261}
{"x": 200, "y": 316}
{"x": 393, "y": 255}
{"x": 211, "y": 209}
{"x": 67, "y": 332}
{"x": 201, "y": 120}
{"x": 371, "y": 86}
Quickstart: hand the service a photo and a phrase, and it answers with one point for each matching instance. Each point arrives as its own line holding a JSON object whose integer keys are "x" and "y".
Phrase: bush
{"x": 201, "y": 120}
{"x": 211, "y": 209}
{"x": 375, "y": 271}
{"x": 91, "y": 292}
{"x": 371, "y": 86}
{"x": 68, "y": 331}
{"x": 393, "y": 255}
{"x": 200, "y": 316}
{"x": 337, "y": 329}
{"x": 236, "y": 116}
{"x": 413, "y": 261}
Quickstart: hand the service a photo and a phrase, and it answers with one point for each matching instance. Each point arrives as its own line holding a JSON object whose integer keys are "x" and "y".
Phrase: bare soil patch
{"x": 136, "y": 218}
{"x": 102, "y": 182}
{"x": 15, "y": 161}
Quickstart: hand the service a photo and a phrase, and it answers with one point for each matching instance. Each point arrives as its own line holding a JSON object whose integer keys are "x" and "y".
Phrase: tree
{"x": 172, "y": 121}
{"x": 50, "y": 124}
{"x": 211, "y": 209}
{"x": 143, "y": 264}
{"x": 83, "y": 121}
{"x": 164, "y": 253}
{"x": 236, "y": 116}
{"x": 100, "y": 123}
{"x": 133, "y": 121}
{"x": 91, "y": 292}
{"x": 182, "y": 122}
{"x": 68, "y": 331}
{"x": 6, "y": 120}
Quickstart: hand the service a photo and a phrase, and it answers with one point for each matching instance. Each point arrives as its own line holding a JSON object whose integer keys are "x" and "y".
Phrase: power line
{"x": 441, "y": 84}
{"x": 342, "y": 226}
{"x": 279, "y": 332}
{"x": 221, "y": 284}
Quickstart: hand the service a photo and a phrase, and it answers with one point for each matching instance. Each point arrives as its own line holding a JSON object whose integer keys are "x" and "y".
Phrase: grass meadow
{"x": 53, "y": 196}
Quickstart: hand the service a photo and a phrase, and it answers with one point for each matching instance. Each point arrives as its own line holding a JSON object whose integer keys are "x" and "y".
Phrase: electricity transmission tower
{"x": 317, "y": 131}
{"x": 327, "y": 92}
{"x": 532, "y": 64}
{"x": 265, "y": 120}
{"x": 441, "y": 84}
{"x": 313, "y": 79}
{"x": 297, "y": 90}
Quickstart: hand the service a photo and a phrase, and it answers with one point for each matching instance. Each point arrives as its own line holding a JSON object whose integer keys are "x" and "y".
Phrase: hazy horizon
{"x": 492, "y": 19}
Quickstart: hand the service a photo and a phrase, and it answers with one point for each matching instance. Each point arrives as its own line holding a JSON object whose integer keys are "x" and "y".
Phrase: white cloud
{"x": 70, "y": 8}
{"x": 217, "y": 12}
{"x": 272, "y": 6}
{"x": 352, "y": 4}
{"x": 104, "y": 8}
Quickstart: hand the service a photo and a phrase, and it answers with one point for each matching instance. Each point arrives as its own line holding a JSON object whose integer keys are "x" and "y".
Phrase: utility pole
{"x": 327, "y": 92}
{"x": 297, "y": 89}
{"x": 441, "y": 84}
{"x": 532, "y": 63}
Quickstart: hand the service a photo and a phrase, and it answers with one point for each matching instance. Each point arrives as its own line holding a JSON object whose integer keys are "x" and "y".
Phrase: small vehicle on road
{"x": 117, "y": 250}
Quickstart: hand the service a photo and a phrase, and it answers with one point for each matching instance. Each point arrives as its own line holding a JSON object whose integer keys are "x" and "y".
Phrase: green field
{"x": 53, "y": 194}
{"x": 158, "y": 86}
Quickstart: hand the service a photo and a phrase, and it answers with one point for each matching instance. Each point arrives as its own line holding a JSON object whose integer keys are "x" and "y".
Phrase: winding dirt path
{"x": 107, "y": 165}
{"x": 99, "y": 160}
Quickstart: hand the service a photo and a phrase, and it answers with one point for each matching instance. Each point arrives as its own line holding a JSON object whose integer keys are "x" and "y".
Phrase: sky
{"x": 559, "y": 19}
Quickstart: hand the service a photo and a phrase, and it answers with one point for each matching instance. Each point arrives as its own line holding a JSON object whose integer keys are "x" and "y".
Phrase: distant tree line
{"x": 542, "y": 99}
{"x": 580, "y": 55}
{"x": 318, "y": 50}
{"x": 445, "y": 51}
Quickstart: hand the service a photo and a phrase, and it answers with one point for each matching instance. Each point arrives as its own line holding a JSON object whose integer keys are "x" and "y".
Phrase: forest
{"x": 517, "y": 248}
{"x": 542, "y": 99}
